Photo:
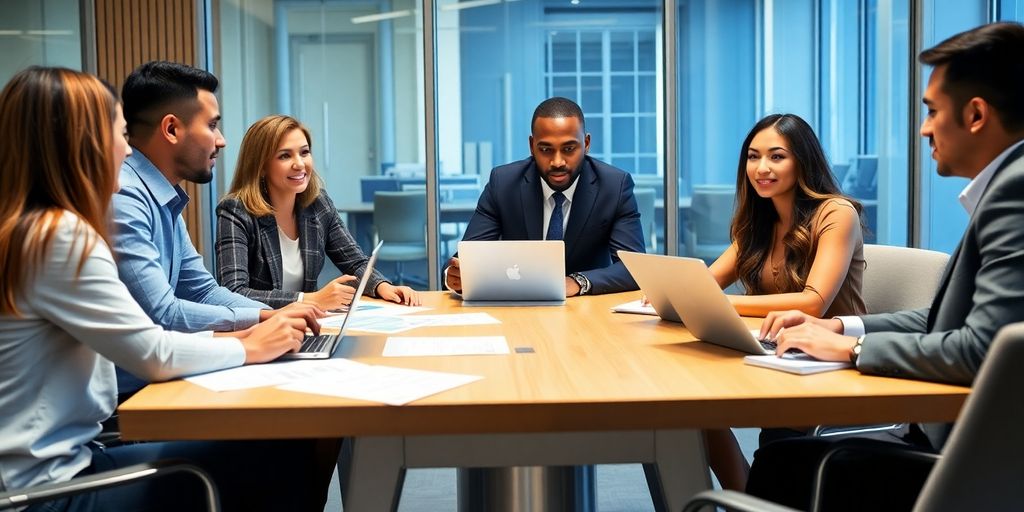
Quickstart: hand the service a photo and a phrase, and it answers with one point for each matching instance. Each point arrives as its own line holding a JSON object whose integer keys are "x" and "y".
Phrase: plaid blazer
{"x": 249, "y": 251}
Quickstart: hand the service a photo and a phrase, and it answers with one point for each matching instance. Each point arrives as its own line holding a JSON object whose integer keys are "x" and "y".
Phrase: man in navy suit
{"x": 560, "y": 193}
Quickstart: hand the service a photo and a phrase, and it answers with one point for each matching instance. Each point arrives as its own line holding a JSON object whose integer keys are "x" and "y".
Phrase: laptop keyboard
{"x": 316, "y": 343}
{"x": 768, "y": 344}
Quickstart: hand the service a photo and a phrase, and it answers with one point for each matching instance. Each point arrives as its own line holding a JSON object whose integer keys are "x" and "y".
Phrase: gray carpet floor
{"x": 620, "y": 487}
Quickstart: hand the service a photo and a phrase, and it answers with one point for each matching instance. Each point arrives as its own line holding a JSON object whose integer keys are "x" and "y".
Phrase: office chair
{"x": 901, "y": 278}
{"x": 127, "y": 475}
{"x": 709, "y": 218}
{"x": 645, "y": 203}
{"x": 895, "y": 279}
{"x": 399, "y": 219}
{"x": 980, "y": 467}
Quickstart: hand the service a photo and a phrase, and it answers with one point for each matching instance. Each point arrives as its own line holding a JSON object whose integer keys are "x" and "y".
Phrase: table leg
{"x": 371, "y": 471}
{"x": 680, "y": 468}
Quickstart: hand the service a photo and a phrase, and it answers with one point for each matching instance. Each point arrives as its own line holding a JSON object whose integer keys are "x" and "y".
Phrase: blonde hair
{"x": 258, "y": 147}
{"x": 55, "y": 156}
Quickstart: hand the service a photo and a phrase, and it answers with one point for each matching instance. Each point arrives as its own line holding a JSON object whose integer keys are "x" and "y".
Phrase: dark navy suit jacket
{"x": 603, "y": 218}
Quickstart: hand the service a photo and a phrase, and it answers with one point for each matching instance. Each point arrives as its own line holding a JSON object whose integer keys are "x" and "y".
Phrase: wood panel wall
{"x": 132, "y": 32}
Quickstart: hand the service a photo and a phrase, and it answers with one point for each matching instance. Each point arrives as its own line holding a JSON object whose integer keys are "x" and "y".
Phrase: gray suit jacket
{"x": 981, "y": 290}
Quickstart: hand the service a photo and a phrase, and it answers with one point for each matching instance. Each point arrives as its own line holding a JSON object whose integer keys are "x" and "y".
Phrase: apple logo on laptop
{"x": 513, "y": 273}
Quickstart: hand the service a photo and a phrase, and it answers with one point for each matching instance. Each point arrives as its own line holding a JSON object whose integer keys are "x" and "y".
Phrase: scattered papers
{"x": 337, "y": 377}
{"x": 798, "y": 365}
{"x": 381, "y": 324}
{"x": 336, "y": 317}
{"x": 636, "y": 307}
{"x": 445, "y": 346}
{"x": 392, "y": 386}
{"x": 387, "y": 324}
{"x": 459, "y": 319}
{"x": 271, "y": 374}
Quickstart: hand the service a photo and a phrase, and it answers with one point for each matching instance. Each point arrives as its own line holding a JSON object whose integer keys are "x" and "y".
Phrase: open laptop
{"x": 322, "y": 346}
{"x": 686, "y": 287}
{"x": 512, "y": 273}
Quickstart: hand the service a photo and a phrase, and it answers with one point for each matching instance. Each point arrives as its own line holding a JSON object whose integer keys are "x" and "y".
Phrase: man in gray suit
{"x": 975, "y": 127}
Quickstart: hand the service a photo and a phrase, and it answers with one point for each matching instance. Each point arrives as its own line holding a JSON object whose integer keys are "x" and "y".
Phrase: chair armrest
{"x": 732, "y": 500}
{"x": 858, "y": 430}
{"x": 113, "y": 478}
{"x": 892, "y": 451}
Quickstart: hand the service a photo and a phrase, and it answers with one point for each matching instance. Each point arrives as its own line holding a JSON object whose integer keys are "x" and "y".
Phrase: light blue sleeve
{"x": 100, "y": 315}
{"x": 138, "y": 264}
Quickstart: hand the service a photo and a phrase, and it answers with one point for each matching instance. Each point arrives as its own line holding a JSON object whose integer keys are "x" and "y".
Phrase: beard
{"x": 195, "y": 167}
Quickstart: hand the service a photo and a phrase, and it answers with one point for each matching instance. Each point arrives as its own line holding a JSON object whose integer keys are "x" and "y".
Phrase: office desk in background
{"x": 359, "y": 218}
{"x": 597, "y": 388}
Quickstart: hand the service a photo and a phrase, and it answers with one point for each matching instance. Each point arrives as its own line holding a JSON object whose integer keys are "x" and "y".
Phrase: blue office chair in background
{"x": 399, "y": 219}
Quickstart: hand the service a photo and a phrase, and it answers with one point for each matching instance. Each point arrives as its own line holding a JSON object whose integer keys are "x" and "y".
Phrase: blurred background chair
{"x": 895, "y": 279}
{"x": 899, "y": 278}
{"x": 47, "y": 492}
{"x": 707, "y": 231}
{"x": 399, "y": 219}
{"x": 645, "y": 203}
{"x": 980, "y": 466}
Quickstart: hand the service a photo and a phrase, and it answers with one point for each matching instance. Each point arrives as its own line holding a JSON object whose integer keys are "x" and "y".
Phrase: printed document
{"x": 445, "y": 346}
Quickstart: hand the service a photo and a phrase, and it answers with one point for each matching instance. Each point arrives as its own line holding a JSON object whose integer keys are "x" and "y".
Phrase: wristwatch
{"x": 855, "y": 351}
{"x": 582, "y": 281}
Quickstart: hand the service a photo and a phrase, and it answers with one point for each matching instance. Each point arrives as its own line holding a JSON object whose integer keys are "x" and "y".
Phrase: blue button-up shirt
{"x": 159, "y": 264}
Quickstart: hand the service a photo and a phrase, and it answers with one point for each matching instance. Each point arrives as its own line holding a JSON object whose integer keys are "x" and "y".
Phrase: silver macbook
{"x": 686, "y": 287}
{"x": 513, "y": 273}
{"x": 322, "y": 346}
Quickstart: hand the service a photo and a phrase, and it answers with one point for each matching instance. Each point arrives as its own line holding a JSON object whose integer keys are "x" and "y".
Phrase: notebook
{"x": 512, "y": 272}
{"x": 322, "y": 346}
{"x": 798, "y": 365}
{"x": 684, "y": 289}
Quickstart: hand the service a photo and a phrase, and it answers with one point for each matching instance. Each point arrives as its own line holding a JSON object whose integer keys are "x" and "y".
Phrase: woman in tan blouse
{"x": 797, "y": 244}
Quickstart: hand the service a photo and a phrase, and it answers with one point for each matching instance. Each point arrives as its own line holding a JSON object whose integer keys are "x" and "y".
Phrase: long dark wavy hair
{"x": 755, "y": 217}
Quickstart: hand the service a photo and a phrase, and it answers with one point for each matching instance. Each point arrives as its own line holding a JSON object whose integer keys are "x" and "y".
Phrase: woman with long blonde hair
{"x": 277, "y": 224}
{"x": 796, "y": 244}
{"x": 66, "y": 318}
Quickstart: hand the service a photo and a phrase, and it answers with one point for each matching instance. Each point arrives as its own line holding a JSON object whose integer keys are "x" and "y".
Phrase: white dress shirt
{"x": 549, "y": 204}
{"x": 292, "y": 268}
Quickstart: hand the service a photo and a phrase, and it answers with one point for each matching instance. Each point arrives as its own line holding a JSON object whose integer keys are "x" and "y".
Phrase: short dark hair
{"x": 984, "y": 62}
{"x": 160, "y": 87}
{"x": 558, "y": 107}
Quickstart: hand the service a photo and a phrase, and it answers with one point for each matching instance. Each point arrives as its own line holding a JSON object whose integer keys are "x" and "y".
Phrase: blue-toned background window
{"x": 613, "y": 75}
{"x": 943, "y": 220}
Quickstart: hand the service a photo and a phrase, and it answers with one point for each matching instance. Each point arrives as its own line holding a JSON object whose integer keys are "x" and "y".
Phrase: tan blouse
{"x": 849, "y": 300}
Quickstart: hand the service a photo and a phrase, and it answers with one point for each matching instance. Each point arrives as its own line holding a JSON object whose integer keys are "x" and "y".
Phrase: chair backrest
{"x": 400, "y": 217}
{"x": 982, "y": 466}
{"x": 645, "y": 203}
{"x": 900, "y": 278}
{"x": 711, "y": 213}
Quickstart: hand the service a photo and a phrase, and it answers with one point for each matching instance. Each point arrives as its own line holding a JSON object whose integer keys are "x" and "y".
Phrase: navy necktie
{"x": 555, "y": 224}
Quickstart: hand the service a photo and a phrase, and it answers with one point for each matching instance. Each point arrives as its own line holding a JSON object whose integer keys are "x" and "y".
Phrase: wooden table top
{"x": 591, "y": 370}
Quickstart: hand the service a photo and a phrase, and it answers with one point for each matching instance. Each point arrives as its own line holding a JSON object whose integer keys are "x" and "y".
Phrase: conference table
{"x": 582, "y": 385}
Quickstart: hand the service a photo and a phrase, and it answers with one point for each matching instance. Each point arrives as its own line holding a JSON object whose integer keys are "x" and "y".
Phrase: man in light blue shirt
{"x": 172, "y": 118}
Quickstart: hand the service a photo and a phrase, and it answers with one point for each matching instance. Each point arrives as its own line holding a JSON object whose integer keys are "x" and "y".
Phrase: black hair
{"x": 984, "y": 62}
{"x": 157, "y": 88}
{"x": 558, "y": 107}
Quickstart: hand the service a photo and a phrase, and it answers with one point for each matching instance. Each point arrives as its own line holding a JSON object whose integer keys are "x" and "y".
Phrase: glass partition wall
{"x": 354, "y": 72}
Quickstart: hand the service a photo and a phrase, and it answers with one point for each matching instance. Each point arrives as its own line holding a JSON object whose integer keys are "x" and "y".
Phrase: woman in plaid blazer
{"x": 276, "y": 224}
